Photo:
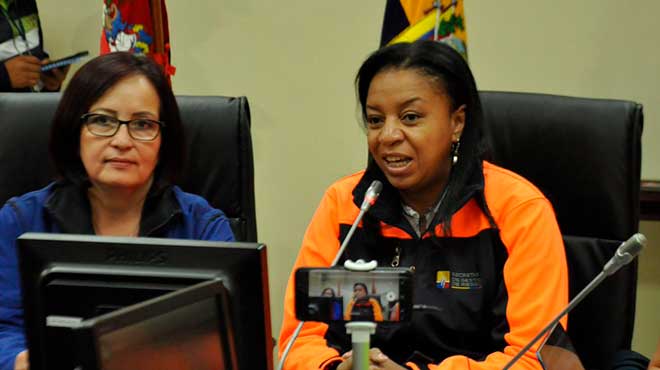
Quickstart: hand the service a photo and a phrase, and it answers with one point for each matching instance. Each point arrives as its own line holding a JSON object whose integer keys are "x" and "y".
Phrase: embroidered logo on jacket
{"x": 443, "y": 279}
{"x": 457, "y": 280}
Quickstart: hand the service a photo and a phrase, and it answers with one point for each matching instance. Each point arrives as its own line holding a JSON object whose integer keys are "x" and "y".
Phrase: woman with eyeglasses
{"x": 117, "y": 144}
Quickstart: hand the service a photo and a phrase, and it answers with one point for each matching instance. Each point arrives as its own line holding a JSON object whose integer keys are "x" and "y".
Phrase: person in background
{"x": 328, "y": 292}
{"x": 362, "y": 307}
{"x": 117, "y": 144}
{"x": 21, "y": 50}
{"x": 336, "y": 308}
{"x": 489, "y": 261}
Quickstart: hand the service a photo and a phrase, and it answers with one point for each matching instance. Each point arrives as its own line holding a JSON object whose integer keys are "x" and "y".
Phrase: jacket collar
{"x": 388, "y": 208}
{"x": 69, "y": 207}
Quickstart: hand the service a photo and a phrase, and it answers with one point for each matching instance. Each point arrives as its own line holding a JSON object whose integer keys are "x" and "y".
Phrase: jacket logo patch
{"x": 443, "y": 279}
{"x": 457, "y": 280}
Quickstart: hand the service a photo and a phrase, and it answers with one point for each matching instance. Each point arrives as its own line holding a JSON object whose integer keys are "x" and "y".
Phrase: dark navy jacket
{"x": 60, "y": 208}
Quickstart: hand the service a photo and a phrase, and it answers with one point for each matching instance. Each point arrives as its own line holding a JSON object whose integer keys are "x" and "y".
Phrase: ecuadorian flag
{"x": 410, "y": 20}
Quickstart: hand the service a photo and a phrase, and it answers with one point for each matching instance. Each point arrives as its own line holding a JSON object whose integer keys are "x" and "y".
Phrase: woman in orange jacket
{"x": 489, "y": 262}
{"x": 362, "y": 307}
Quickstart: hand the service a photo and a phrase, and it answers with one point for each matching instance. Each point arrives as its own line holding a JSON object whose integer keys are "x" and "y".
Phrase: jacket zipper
{"x": 162, "y": 224}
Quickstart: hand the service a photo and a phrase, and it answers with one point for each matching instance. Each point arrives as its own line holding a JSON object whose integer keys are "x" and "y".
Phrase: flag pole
{"x": 160, "y": 52}
{"x": 157, "y": 16}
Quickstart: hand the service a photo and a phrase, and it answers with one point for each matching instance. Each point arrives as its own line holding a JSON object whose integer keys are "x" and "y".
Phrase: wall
{"x": 295, "y": 60}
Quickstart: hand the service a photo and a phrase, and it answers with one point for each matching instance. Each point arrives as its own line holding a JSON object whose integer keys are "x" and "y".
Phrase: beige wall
{"x": 295, "y": 61}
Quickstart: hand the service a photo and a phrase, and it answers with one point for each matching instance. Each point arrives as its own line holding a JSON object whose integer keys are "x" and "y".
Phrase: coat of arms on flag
{"x": 410, "y": 20}
{"x": 137, "y": 26}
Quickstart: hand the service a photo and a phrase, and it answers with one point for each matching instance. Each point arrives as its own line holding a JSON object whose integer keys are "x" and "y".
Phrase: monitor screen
{"x": 183, "y": 330}
{"x": 70, "y": 278}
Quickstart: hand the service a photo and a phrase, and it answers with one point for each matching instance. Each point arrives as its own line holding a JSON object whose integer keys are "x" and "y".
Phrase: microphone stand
{"x": 623, "y": 255}
{"x": 360, "y": 331}
{"x": 578, "y": 298}
{"x": 370, "y": 198}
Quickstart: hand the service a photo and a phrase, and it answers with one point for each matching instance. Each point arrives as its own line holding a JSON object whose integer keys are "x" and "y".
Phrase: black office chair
{"x": 218, "y": 150}
{"x": 584, "y": 154}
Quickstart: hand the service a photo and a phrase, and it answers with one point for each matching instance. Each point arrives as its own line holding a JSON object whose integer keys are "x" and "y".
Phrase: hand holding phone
{"x": 64, "y": 61}
{"x": 23, "y": 71}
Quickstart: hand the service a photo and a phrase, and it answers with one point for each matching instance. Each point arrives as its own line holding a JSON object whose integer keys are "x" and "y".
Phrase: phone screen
{"x": 334, "y": 294}
{"x": 64, "y": 61}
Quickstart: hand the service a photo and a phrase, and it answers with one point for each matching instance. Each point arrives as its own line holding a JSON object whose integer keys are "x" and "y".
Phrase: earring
{"x": 454, "y": 151}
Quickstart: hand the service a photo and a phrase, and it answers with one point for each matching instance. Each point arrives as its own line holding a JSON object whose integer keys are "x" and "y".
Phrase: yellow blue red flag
{"x": 410, "y": 20}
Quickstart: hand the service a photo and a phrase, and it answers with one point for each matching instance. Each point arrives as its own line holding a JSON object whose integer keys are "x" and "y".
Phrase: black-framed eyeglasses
{"x": 141, "y": 129}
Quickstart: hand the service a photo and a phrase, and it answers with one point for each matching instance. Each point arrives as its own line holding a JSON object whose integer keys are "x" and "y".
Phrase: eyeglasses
{"x": 140, "y": 129}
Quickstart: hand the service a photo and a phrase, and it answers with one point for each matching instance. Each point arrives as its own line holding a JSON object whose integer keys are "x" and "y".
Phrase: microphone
{"x": 370, "y": 197}
{"x": 626, "y": 252}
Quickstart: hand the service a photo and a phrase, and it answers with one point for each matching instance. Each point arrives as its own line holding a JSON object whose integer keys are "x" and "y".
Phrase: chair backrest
{"x": 584, "y": 154}
{"x": 219, "y": 164}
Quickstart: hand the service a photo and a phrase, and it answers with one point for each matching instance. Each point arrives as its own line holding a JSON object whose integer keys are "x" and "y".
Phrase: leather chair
{"x": 218, "y": 148}
{"x": 584, "y": 154}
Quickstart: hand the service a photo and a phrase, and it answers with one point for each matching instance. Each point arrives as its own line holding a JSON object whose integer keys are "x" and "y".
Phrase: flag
{"x": 410, "y": 20}
{"x": 138, "y": 26}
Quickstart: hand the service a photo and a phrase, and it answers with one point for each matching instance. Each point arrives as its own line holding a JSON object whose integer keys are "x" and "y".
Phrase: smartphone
{"x": 64, "y": 61}
{"x": 337, "y": 294}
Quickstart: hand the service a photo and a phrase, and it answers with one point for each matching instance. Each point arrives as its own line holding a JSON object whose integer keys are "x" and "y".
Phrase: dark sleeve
{"x": 42, "y": 49}
{"x": 5, "y": 83}
{"x": 42, "y": 54}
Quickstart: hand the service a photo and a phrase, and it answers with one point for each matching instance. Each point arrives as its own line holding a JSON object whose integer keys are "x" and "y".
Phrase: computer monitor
{"x": 188, "y": 329}
{"x": 70, "y": 278}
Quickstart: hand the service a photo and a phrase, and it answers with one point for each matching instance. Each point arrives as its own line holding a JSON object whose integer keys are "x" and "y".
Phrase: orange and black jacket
{"x": 365, "y": 309}
{"x": 481, "y": 292}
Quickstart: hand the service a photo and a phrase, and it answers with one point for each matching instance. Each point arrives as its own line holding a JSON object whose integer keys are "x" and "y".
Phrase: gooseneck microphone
{"x": 626, "y": 252}
{"x": 370, "y": 197}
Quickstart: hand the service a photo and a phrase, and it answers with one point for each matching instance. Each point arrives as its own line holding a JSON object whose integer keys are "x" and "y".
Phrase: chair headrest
{"x": 584, "y": 154}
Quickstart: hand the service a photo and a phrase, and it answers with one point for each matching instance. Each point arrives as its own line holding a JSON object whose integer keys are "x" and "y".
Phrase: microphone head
{"x": 371, "y": 195}
{"x": 626, "y": 252}
{"x": 375, "y": 188}
{"x": 633, "y": 245}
